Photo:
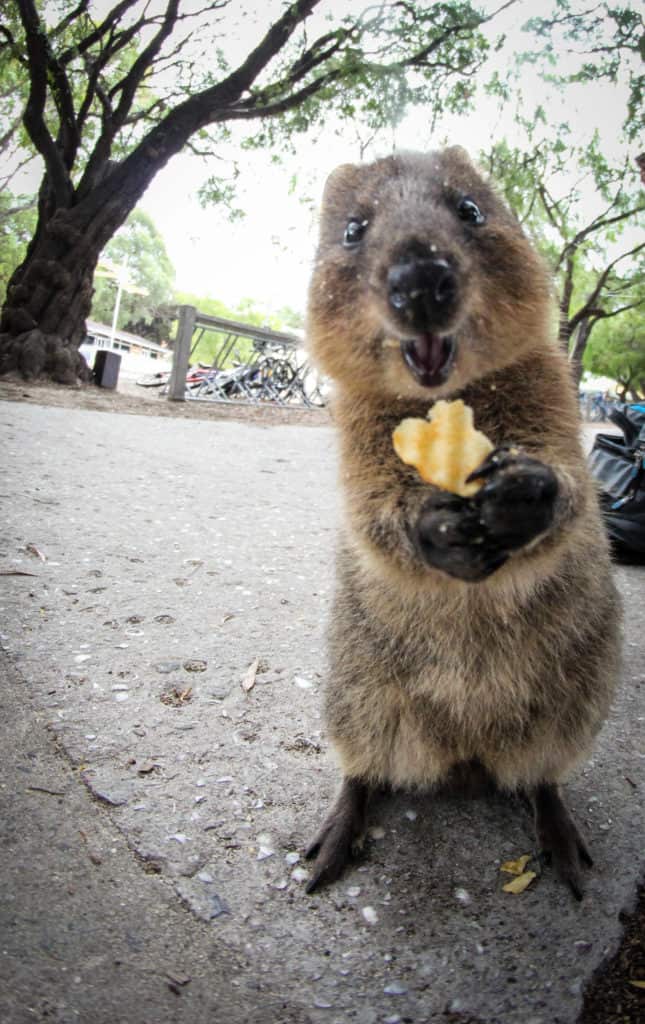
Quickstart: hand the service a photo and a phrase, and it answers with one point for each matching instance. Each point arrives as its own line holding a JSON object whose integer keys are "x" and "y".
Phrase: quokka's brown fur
{"x": 514, "y": 671}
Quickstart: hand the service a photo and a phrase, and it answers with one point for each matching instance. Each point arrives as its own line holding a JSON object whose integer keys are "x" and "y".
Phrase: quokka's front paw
{"x": 469, "y": 538}
{"x": 517, "y": 502}
{"x": 450, "y": 536}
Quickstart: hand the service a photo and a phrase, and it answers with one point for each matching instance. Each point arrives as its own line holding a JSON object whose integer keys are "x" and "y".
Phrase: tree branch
{"x": 69, "y": 19}
{"x": 94, "y": 67}
{"x": 596, "y": 225}
{"x": 93, "y": 71}
{"x": 7, "y": 136}
{"x": 16, "y": 169}
{"x": 211, "y": 106}
{"x": 246, "y": 112}
{"x": 316, "y": 55}
{"x": 275, "y": 39}
{"x": 319, "y": 52}
{"x": 11, "y": 211}
{"x": 68, "y": 137}
{"x": 144, "y": 114}
{"x": 565, "y": 301}
{"x": 34, "y": 120}
{"x": 419, "y": 59}
{"x": 115, "y": 118}
{"x": 550, "y": 205}
{"x": 132, "y": 80}
{"x": 600, "y": 283}
{"x": 85, "y": 44}
{"x": 11, "y": 44}
{"x": 546, "y": 23}
{"x": 604, "y": 314}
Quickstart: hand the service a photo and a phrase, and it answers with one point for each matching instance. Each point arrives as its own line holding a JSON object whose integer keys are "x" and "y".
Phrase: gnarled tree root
{"x": 33, "y": 355}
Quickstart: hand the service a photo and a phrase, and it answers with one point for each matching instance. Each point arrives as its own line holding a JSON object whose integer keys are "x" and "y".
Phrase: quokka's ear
{"x": 458, "y": 153}
{"x": 341, "y": 179}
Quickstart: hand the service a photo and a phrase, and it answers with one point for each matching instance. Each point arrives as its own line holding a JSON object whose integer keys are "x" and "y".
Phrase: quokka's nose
{"x": 422, "y": 291}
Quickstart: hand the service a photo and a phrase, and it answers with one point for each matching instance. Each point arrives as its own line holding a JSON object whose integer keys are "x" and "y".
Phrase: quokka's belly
{"x": 411, "y": 733}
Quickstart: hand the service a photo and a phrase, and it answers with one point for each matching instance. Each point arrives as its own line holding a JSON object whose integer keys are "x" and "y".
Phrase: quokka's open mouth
{"x": 429, "y": 357}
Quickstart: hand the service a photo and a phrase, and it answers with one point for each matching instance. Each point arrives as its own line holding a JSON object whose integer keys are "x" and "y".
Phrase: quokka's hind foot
{"x": 559, "y": 839}
{"x": 341, "y": 835}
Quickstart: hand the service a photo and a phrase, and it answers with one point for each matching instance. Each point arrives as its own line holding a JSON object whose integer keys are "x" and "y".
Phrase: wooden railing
{"x": 250, "y": 364}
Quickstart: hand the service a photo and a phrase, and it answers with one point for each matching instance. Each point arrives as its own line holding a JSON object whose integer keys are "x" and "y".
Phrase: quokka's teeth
{"x": 445, "y": 449}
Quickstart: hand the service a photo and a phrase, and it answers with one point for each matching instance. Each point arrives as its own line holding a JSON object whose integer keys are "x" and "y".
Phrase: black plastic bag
{"x": 618, "y": 464}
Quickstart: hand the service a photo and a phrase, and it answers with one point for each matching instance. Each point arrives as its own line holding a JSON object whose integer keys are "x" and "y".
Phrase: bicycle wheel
{"x": 153, "y": 380}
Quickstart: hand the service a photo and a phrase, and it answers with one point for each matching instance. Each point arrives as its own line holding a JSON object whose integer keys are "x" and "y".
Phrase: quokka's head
{"x": 423, "y": 280}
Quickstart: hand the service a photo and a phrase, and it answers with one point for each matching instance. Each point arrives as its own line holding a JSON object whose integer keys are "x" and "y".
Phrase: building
{"x": 138, "y": 355}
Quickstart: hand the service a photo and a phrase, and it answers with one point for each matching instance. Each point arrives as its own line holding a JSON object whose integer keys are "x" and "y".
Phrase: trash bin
{"x": 106, "y": 368}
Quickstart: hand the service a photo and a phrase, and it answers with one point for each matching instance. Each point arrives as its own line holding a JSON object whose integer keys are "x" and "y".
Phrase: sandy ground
{"x": 139, "y": 401}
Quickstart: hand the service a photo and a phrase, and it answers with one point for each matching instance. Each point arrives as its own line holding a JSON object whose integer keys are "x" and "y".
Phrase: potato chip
{"x": 445, "y": 449}
{"x": 520, "y": 883}
{"x": 516, "y": 867}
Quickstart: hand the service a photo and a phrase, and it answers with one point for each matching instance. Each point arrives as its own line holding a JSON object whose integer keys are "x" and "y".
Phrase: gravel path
{"x": 164, "y": 659}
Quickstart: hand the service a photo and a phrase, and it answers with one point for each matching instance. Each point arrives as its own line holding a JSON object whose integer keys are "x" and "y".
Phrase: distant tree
{"x": 617, "y": 350}
{"x": 602, "y": 42}
{"x": 608, "y": 296}
{"x": 598, "y": 268}
{"x": 114, "y": 93}
{"x": 290, "y": 319}
{"x": 17, "y": 223}
{"x": 14, "y": 90}
{"x": 139, "y": 248}
{"x": 17, "y": 212}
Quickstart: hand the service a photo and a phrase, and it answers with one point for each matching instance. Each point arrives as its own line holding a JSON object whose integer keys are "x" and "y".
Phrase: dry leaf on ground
{"x": 36, "y": 552}
{"x": 249, "y": 679}
{"x": 176, "y": 698}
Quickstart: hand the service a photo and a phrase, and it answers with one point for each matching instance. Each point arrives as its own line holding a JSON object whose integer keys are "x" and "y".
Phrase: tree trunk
{"x": 564, "y": 332}
{"x": 633, "y": 390}
{"x": 578, "y": 349}
{"x": 50, "y": 293}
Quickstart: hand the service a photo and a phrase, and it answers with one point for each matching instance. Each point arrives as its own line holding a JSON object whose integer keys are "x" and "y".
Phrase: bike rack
{"x": 250, "y": 364}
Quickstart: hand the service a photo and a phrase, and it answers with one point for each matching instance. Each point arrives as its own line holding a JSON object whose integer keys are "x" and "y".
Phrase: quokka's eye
{"x": 469, "y": 211}
{"x": 356, "y": 228}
